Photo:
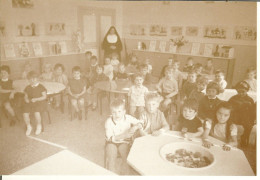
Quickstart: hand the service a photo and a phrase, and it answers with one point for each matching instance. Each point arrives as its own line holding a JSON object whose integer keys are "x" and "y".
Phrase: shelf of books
{"x": 27, "y": 50}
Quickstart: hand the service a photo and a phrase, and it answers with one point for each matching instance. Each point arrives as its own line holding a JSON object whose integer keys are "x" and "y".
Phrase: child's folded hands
{"x": 207, "y": 144}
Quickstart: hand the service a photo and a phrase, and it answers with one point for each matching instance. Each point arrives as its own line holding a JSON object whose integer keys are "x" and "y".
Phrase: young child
{"x": 150, "y": 67}
{"x": 76, "y": 89}
{"x": 92, "y": 91}
{"x": 189, "y": 85}
{"x": 88, "y": 55}
{"x": 244, "y": 110}
{"x": 170, "y": 60}
{"x": 220, "y": 80}
{"x": 189, "y": 65}
{"x": 168, "y": 88}
{"x": 114, "y": 61}
{"x": 198, "y": 69}
{"x": 35, "y": 102}
{"x": 189, "y": 124}
{"x": 143, "y": 69}
{"x": 47, "y": 73}
{"x": 92, "y": 69}
{"x": 198, "y": 93}
{"x": 154, "y": 120}
{"x": 108, "y": 68}
{"x": 222, "y": 127}
{"x": 209, "y": 103}
{"x": 209, "y": 68}
{"x": 27, "y": 69}
{"x": 251, "y": 79}
{"x": 7, "y": 92}
{"x": 119, "y": 128}
{"x": 136, "y": 95}
{"x": 133, "y": 64}
{"x": 176, "y": 73}
{"x": 60, "y": 77}
{"x": 121, "y": 74}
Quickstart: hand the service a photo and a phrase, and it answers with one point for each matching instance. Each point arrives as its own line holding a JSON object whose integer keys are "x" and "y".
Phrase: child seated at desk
{"x": 35, "y": 102}
{"x": 209, "y": 103}
{"x": 189, "y": 85}
{"x": 220, "y": 80}
{"x": 198, "y": 92}
{"x": 92, "y": 69}
{"x": 189, "y": 65}
{"x": 143, "y": 69}
{"x": 209, "y": 68}
{"x": 168, "y": 88}
{"x": 154, "y": 120}
{"x": 60, "y": 77}
{"x": 47, "y": 74}
{"x": 133, "y": 64}
{"x": 119, "y": 129}
{"x": 92, "y": 91}
{"x": 244, "y": 110}
{"x": 189, "y": 124}
{"x": 77, "y": 89}
{"x": 27, "y": 69}
{"x": 108, "y": 68}
{"x": 7, "y": 92}
{"x": 136, "y": 95}
{"x": 121, "y": 74}
{"x": 222, "y": 127}
{"x": 251, "y": 79}
{"x": 114, "y": 61}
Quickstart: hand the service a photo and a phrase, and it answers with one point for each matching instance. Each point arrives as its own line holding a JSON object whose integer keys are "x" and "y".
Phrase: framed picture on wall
{"x": 24, "y": 49}
{"x": 27, "y": 29}
{"x": 245, "y": 33}
{"x": 215, "y": 32}
{"x": 9, "y": 50}
{"x": 22, "y": 3}
{"x": 158, "y": 30}
{"x": 37, "y": 48}
{"x": 56, "y": 29}
{"x": 137, "y": 30}
{"x": 192, "y": 31}
{"x": 176, "y": 30}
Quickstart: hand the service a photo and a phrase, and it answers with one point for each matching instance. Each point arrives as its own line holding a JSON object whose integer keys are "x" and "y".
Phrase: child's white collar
{"x": 6, "y": 79}
{"x": 35, "y": 85}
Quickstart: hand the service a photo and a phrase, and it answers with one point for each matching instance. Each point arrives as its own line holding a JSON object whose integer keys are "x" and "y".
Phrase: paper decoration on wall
{"x": 24, "y": 49}
{"x": 176, "y": 30}
{"x": 192, "y": 31}
{"x": 63, "y": 47}
{"x": 158, "y": 30}
{"x": 55, "y": 29}
{"x": 162, "y": 46}
{"x": 137, "y": 30}
{"x": 22, "y": 3}
{"x": 2, "y": 29}
{"x": 195, "y": 48}
{"x": 208, "y": 49}
{"x": 37, "y": 48}
{"x": 54, "y": 48}
{"x": 245, "y": 33}
{"x": 152, "y": 46}
{"x": 28, "y": 29}
{"x": 215, "y": 32}
{"x": 9, "y": 50}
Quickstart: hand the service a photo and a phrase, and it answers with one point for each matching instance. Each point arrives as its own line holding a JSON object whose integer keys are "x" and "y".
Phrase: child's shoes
{"x": 38, "y": 130}
{"x": 29, "y": 130}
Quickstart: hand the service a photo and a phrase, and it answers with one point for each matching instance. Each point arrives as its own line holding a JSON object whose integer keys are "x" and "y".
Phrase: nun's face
{"x": 112, "y": 31}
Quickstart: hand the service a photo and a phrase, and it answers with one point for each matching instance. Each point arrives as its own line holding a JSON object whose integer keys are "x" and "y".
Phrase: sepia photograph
{"x": 128, "y": 88}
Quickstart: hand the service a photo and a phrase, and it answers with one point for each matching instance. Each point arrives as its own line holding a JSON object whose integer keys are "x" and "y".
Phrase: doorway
{"x": 94, "y": 23}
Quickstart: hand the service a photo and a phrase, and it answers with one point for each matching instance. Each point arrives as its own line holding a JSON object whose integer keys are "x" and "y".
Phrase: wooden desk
{"x": 145, "y": 158}
{"x": 64, "y": 163}
{"x": 159, "y": 59}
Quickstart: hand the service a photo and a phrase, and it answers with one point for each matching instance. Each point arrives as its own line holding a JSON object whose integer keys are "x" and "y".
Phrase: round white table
{"x": 145, "y": 158}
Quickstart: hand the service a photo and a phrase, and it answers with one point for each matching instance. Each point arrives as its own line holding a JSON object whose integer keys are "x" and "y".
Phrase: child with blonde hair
{"x": 47, "y": 74}
{"x": 251, "y": 78}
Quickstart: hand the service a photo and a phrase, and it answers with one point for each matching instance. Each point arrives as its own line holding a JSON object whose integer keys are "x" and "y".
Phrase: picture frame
{"x": 27, "y": 29}
{"x": 55, "y": 29}
{"x": 176, "y": 30}
{"x": 137, "y": 30}
{"x": 158, "y": 30}
{"x": 218, "y": 32}
{"x": 23, "y": 4}
{"x": 37, "y": 48}
{"x": 9, "y": 50}
{"x": 24, "y": 49}
{"x": 245, "y": 33}
{"x": 192, "y": 31}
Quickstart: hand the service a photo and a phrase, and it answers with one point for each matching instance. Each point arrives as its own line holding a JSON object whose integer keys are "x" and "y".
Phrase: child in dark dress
{"x": 189, "y": 65}
{"x": 189, "y": 85}
{"x": 35, "y": 102}
{"x": 121, "y": 74}
{"x": 244, "y": 110}
{"x": 143, "y": 68}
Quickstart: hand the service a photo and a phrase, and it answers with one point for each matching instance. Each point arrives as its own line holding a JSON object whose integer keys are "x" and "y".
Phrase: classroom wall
{"x": 226, "y": 14}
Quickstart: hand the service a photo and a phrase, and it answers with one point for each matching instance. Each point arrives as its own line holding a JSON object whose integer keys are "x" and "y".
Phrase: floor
{"x": 85, "y": 138}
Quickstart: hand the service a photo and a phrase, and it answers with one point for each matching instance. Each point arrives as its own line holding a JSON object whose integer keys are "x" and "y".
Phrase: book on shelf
{"x": 54, "y": 48}
{"x": 208, "y": 48}
{"x": 63, "y": 47}
{"x": 231, "y": 53}
{"x": 37, "y": 48}
{"x": 162, "y": 46}
{"x": 152, "y": 46}
{"x": 9, "y": 50}
{"x": 24, "y": 49}
{"x": 172, "y": 48}
{"x": 195, "y": 48}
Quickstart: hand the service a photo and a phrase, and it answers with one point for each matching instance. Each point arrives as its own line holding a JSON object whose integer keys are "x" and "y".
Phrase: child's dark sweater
{"x": 208, "y": 107}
